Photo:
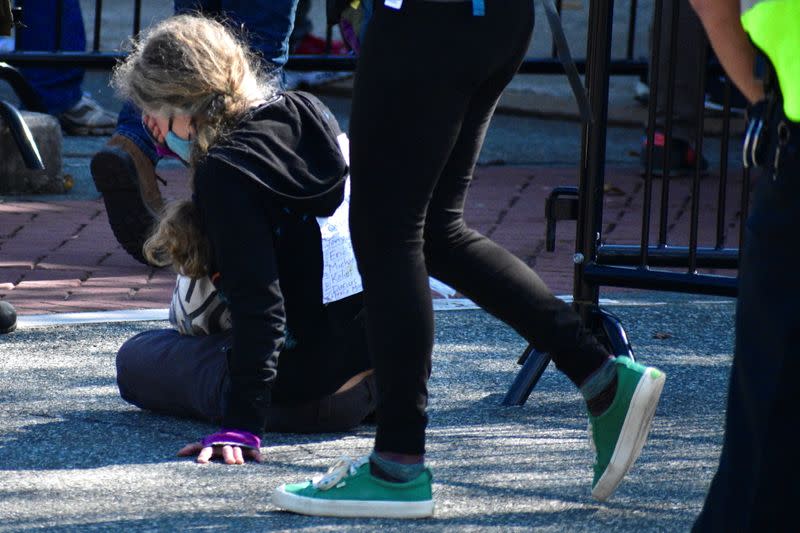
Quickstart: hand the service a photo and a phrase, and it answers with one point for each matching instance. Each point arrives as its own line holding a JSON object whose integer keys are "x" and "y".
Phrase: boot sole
{"x": 131, "y": 220}
{"x": 633, "y": 434}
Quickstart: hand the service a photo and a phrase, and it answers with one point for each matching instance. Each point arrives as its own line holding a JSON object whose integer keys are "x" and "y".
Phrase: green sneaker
{"x": 619, "y": 434}
{"x": 348, "y": 489}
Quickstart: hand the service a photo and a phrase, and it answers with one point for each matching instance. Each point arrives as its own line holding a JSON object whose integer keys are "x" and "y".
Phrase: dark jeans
{"x": 268, "y": 24}
{"x": 756, "y": 484}
{"x": 58, "y": 88}
{"x": 302, "y": 23}
{"x": 427, "y": 84}
{"x": 182, "y": 375}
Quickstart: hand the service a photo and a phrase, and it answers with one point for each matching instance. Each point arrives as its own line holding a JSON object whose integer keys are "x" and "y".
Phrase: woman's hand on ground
{"x": 232, "y": 445}
{"x": 231, "y": 455}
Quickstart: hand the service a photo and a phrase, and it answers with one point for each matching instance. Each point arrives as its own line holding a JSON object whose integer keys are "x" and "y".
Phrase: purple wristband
{"x": 233, "y": 437}
{"x": 164, "y": 151}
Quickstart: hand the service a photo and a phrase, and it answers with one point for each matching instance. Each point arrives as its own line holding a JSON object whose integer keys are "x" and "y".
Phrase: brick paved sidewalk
{"x": 62, "y": 257}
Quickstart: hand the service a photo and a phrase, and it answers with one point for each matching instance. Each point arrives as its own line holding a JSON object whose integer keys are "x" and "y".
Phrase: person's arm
{"x": 721, "y": 20}
{"x": 237, "y": 225}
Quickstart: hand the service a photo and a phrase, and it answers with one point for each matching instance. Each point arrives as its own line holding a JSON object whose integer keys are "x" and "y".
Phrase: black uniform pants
{"x": 756, "y": 485}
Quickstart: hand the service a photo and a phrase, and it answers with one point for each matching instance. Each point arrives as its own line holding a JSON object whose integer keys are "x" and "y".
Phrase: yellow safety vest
{"x": 774, "y": 27}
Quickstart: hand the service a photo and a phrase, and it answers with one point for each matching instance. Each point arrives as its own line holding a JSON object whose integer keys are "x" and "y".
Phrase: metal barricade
{"x": 647, "y": 265}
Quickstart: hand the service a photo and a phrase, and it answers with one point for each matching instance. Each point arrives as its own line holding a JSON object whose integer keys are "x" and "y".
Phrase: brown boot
{"x": 127, "y": 180}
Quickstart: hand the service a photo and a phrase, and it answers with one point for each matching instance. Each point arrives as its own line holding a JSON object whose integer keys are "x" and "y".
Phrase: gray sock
{"x": 393, "y": 471}
{"x": 599, "y": 380}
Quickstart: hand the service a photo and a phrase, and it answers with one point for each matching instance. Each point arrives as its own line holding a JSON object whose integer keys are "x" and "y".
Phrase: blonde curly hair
{"x": 193, "y": 65}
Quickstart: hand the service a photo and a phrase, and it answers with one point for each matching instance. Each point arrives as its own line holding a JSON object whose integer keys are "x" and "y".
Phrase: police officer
{"x": 756, "y": 486}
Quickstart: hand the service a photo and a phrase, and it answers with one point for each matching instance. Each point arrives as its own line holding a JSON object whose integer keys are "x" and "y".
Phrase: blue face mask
{"x": 181, "y": 147}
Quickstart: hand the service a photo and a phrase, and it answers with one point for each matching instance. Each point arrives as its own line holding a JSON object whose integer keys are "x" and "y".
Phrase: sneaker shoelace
{"x": 341, "y": 469}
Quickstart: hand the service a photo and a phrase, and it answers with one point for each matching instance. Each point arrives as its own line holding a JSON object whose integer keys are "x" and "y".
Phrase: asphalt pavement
{"x": 75, "y": 457}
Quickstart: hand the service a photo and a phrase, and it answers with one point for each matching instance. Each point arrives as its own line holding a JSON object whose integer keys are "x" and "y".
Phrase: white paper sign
{"x": 340, "y": 277}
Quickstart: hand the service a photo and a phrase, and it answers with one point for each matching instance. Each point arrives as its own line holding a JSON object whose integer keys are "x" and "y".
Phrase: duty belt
{"x": 756, "y": 140}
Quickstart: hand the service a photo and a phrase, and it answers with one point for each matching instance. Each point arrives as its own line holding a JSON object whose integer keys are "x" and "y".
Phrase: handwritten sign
{"x": 340, "y": 277}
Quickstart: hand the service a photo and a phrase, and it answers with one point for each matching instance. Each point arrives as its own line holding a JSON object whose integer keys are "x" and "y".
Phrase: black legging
{"x": 427, "y": 84}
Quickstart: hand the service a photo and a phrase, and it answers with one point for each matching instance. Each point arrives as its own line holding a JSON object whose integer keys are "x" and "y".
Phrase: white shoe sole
{"x": 350, "y": 508}
{"x": 633, "y": 434}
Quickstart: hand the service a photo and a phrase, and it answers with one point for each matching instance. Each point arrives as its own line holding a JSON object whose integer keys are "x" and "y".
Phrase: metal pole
{"x": 693, "y": 227}
{"x": 655, "y": 52}
{"x": 631, "y": 30}
{"x": 673, "y": 51}
{"x": 723, "y": 165}
{"x": 98, "y": 17}
{"x": 137, "y": 17}
{"x": 553, "y": 51}
{"x": 59, "y": 14}
{"x": 593, "y": 157}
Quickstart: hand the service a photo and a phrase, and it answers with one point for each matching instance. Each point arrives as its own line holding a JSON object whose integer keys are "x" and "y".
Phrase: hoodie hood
{"x": 289, "y": 145}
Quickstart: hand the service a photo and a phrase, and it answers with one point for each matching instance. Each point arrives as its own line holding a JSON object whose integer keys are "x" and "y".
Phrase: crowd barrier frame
{"x": 597, "y": 264}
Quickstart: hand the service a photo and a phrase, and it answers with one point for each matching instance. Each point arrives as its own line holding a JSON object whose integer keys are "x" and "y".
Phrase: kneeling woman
{"x": 268, "y": 223}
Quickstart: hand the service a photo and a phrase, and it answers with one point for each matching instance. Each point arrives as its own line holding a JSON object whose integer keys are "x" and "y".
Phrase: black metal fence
{"x": 631, "y": 266}
{"x": 96, "y": 57}
{"x": 654, "y": 263}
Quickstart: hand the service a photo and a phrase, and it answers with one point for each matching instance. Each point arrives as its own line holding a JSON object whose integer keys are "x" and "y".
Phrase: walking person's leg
{"x": 408, "y": 105}
{"x": 397, "y": 160}
{"x": 620, "y": 396}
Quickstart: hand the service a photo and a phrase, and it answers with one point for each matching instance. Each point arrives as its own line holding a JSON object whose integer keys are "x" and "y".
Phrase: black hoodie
{"x": 259, "y": 190}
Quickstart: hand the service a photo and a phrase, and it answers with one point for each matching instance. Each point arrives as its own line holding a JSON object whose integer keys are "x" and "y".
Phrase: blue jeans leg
{"x": 58, "y": 88}
{"x": 302, "y": 22}
{"x": 268, "y": 24}
{"x": 129, "y": 124}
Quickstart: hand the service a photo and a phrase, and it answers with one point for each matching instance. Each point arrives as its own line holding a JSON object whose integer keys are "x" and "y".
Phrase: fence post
{"x": 593, "y": 154}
